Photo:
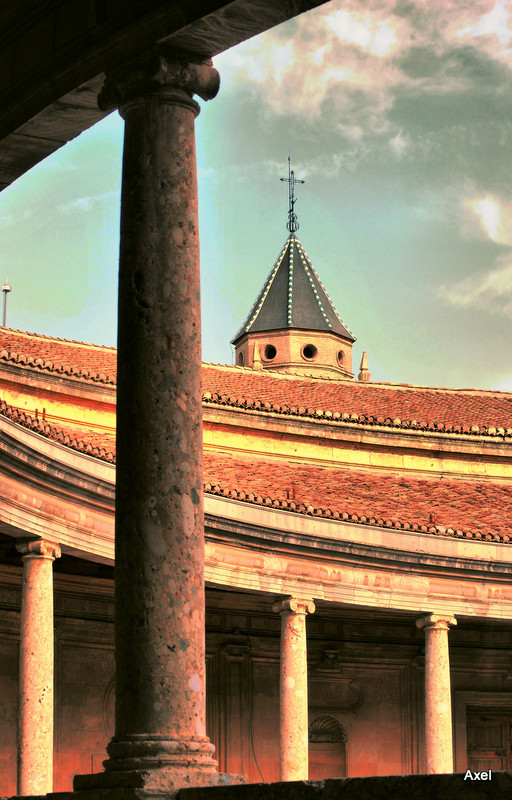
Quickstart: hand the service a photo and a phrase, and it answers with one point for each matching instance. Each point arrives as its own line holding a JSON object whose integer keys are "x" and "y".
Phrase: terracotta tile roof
{"x": 70, "y": 358}
{"x": 99, "y": 444}
{"x": 462, "y": 508}
{"x": 467, "y": 411}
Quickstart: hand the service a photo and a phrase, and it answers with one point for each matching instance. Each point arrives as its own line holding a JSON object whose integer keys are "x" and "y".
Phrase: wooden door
{"x": 488, "y": 740}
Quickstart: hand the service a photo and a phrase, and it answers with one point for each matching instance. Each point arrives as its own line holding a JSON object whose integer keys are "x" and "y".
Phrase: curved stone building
{"x": 357, "y": 553}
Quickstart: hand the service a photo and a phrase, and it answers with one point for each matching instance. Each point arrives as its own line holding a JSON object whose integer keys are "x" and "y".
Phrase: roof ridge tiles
{"x": 361, "y": 385}
{"x": 324, "y": 289}
{"x": 57, "y": 435}
{"x": 286, "y": 504}
{"x": 288, "y": 300}
{"x": 70, "y": 372}
{"x": 346, "y": 418}
{"x": 48, "y": 337}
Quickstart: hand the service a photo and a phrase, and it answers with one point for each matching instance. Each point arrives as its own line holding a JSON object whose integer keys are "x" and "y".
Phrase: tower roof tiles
{"x": 293, "y": 297}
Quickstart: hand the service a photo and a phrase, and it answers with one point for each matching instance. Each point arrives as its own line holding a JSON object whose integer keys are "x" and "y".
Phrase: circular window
{"x": 270, "y": 352}
{"x": 309, "y": 351}
{"x": 240, "y": 359}
{"x": 340, "y": 356}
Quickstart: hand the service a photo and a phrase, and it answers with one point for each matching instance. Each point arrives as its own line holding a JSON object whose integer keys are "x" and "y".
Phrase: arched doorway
{"x": 327, "y": 749}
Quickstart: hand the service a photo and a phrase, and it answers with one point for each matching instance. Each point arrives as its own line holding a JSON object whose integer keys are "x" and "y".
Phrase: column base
{"x": 155, "y": 765}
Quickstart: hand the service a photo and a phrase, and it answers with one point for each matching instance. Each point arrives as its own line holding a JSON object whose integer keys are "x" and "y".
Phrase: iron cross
{"x": 291, "y": 180}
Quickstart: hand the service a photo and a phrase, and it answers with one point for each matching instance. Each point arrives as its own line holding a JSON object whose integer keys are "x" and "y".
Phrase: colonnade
{"x": 160, "y": 741}
{"x": 35, "y": 741}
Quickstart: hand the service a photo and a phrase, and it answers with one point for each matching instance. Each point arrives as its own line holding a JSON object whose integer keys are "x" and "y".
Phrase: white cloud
{"x": 87, "y": 203}
{"x": 492, "y": 216}
{"x": 399, "y": 144}
{"x": 344, "y": 62}
{"x": 494, "y": 23}
{"x": 378, "y": 36}
{"x": 491, "y": 291}
{"x": 346, "y": 49}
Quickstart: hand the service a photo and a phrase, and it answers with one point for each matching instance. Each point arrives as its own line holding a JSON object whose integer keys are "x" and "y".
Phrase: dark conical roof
{"x": 293, "y": 297}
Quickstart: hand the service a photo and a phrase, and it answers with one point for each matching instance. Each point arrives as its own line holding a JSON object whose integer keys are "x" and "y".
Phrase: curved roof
{"x": 448, "y": 410}
{"x": 293, "y": 297}
{"x": 79, "y": 360}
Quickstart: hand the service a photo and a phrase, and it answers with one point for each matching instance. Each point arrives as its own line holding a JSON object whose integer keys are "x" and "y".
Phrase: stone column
{"x": 160, "y": 741}
{"x": 293, "y": 701}
{"x": 35, "y": 710}
{"x": 438, "y": 703}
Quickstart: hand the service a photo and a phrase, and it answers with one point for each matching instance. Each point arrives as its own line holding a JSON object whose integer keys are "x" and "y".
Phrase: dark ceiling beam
{"x": 53, "y": 56}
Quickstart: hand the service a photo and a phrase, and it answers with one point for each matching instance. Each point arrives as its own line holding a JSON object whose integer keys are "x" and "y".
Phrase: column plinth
{"x": 293, "y": 698}
{"x": 160, "y": 741}
{"x": 438, "y": 704}
{"x": 35, "y": 694}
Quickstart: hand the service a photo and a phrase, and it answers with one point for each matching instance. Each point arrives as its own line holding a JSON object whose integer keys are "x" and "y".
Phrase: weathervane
{"x": 292, "y": 223}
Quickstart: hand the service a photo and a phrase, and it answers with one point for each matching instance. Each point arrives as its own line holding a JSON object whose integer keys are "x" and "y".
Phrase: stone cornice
{"x": 275, "y": 531}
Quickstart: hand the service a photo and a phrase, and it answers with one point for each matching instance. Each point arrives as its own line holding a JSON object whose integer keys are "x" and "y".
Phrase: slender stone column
{"x": 160, "y": 741}
{"x": 35, "y": 710}
{"x": 438, "y": 703}
{"x": 293, "y": 701}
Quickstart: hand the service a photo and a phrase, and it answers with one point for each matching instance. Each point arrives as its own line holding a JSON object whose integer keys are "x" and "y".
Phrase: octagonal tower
{"x": 293, "y": 326}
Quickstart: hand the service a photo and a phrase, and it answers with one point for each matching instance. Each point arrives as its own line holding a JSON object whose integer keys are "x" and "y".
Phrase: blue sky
{"x": 398, "y": 115}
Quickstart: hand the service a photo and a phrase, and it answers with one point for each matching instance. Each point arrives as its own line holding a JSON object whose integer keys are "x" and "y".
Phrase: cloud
{"x": 348, "y": 49}
{"x": 350, "y": 60}
{"x": 87, "y": 203}
{"x": 489, "y": 216}
{"x": 491, "y": 291}
{"x": 493, "y": 29}
{"x": 399, "y": 144}
{"x": 377, "y": 36}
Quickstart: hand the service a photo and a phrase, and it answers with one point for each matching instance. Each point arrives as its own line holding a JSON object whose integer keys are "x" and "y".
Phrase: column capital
{"x": 294, "y": 605}
{"x": 164, "y": 72}
{"x": 436, "y": 621}
{"x": 38, "y": 548}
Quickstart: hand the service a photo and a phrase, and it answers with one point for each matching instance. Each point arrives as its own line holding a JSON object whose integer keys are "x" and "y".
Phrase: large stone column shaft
{"x": 35, "y": 709}
{"x": 438, "y": 703}
{"x": 160, "y": 741}
{"x": 293, "y": 702}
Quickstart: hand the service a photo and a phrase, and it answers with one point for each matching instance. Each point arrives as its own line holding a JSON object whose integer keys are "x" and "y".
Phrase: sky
{"x": 398, "y": 115}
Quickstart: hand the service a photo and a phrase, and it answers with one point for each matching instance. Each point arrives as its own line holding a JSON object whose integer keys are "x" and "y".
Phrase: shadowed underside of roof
{"x": 293, "y": 297}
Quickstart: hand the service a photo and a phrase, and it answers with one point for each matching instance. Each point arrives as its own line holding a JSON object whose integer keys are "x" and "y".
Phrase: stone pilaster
{"x": 160, "y": 742}
{"x": 438, "y": 703}
{"x": 293, "y": 701}
{"x": 35, "y": 709}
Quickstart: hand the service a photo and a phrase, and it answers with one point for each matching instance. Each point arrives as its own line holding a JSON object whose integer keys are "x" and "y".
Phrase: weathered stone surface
{"x": 35, "y": 709}
{"x": 438, "y": 704}
{"x": 293, "y": 702}
{"x": 160, "y": 741}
